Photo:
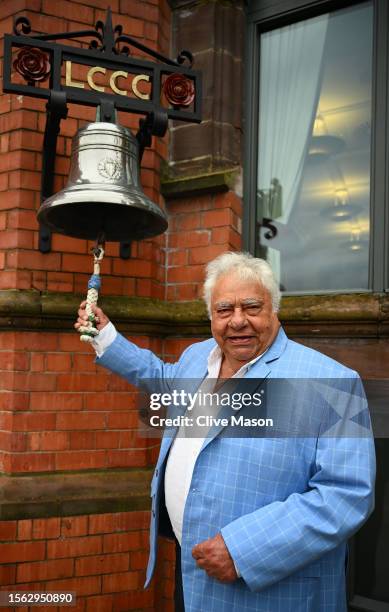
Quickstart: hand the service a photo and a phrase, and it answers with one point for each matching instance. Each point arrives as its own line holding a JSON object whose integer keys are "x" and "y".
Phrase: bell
{"x": 103, "y": 195}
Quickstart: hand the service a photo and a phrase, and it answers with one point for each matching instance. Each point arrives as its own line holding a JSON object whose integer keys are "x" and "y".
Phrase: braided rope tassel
{"x": 88, "y": 331}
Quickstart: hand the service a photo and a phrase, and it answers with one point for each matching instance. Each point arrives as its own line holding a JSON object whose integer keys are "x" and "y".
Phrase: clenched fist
{"x": 101, "y": 319}
{"x": 214, "y": 558}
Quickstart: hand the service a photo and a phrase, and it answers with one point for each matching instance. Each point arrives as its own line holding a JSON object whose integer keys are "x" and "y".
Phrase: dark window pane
{"x": 314, "y": 151}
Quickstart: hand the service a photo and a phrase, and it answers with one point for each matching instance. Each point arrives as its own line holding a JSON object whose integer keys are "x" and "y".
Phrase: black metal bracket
{"x": 268, "y": 223}
{"x": 56, "y": 111}
{"x": 154, "y": 124}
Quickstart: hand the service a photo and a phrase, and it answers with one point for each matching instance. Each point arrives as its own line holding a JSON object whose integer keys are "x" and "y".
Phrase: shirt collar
{"x": 215, "y": 361}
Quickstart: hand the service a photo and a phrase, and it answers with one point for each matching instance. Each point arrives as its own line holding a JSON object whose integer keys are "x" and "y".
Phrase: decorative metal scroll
{"x": 173, "y": 86}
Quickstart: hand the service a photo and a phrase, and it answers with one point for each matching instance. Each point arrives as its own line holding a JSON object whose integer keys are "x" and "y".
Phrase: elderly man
{"x": 261, "y": 522}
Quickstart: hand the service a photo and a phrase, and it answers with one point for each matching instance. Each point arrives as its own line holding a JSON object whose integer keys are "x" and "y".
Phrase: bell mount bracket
{"x": 109, "y": 49}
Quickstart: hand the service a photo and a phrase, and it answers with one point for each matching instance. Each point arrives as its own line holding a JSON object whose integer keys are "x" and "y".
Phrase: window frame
{"x": 265, "y": 15}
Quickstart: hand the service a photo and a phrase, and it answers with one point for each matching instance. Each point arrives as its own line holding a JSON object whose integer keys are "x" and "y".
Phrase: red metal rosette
{"x": 179, "y": 90}
{"x": 32, "y": 64}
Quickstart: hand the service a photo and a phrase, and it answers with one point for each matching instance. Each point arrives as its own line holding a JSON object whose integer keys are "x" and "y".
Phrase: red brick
{"x": 81, "y": 440}
{"x": 122, "y": 420}
{"x": 14, "y": 401}
{"x": 80, "y": 460}
{"x": 24, "y": 529}
{"x": 27, "y": 341}
{"x": 83, "y": 420}
{"x": 138, "y": 560}
{"x": 107, "y": 439}
{"x": 48, "y": 441}
{"x": 7, "y": 530}
{"x": 46, "y": 528}
{"x": 177, "y": 258}
{"x": 18, "y": 120}
{"x": 58, "y": 362}
{"x": 85, "y": 363}
{"x": 125, "y": 581}
{"x": 100, "y": 603}
{"x": 74, "y": 547}
{"x": 20, "y": 178}
{"x": 217, "y": 218}
{"x": 56, "y": 401}
{"x": 187, "y": 240}
{"x": 45, "y": 570}
{"x": 22, "y": 551}
{"x": 83, "y": 586}
{"x": 15, "y": 199}
{"x": 60, "y": 281}
{"x": 102, "y": 564}
{"x": 18, "y": 442}
{"x": 82, "y": 263}
{"x": 135, "y": 600}
{"x": 229, "y": 199}
{"x": 39, "y": 280}
{"x": 67, "y": 10}
{"x": 72, "y": 526}
{"x": 7, "y": 574}
{"x": 118, "y": 522}
{"x": 34, "y": 421}
{"x": 15, "y": 279}
{"x": 227, "y": 236}
{"x": 24, "y": 160}
{"x": 81, "y": 382}
{"x": 26, "y": 139}
{"x": 187, "y": 274}
{"x": 38, "y": 362}
{"x": 122, "y": 458}
{"x": 32, "y": 462}
{"x": 16, "y": 239}
{"x": 121, "y": 542}
{"x": 22, "y": 219}
{"x": 188, "y": 292}
{"x": 202, "y": 255}
{"x": 34, "y": 260}
{"x": 117, "y": 401}
{"x": 133, "y": 267}
{"x": 69, "y": 245}
{"x": 10, "y": 360}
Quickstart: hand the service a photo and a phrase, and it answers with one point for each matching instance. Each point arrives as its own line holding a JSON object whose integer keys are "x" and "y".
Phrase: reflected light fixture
{"x": 355, "y": 242}
{"x": 323, "y": 144}
{"x": 341, "y": 209}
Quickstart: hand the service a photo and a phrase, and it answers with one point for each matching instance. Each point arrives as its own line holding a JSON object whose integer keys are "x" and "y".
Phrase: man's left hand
{"x": 213, "y": 557}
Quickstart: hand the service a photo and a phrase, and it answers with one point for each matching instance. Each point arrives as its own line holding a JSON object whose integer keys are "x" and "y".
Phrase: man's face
{"x": 243, "y": 322}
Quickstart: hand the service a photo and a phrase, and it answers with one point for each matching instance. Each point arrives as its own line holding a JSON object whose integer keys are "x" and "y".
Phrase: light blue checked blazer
{"x": 284, "y": 505}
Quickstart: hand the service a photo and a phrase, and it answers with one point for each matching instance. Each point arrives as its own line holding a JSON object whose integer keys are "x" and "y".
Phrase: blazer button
{"x": 156, "y": 472}
{"x": 153, "y": 511}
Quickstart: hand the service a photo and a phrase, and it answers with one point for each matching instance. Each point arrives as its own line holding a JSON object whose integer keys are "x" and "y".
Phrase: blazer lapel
{"x": 252, "y": 380}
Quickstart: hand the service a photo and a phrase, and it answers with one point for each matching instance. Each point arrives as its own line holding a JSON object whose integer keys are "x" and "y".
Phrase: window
{"x": 313, "y": 183}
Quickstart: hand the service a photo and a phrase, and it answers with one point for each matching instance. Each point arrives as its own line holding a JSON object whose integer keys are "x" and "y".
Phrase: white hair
{"x": 246, "y": 267}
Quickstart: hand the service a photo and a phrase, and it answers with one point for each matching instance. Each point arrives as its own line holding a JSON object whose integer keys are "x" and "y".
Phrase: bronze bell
{"x": 103, "y": 195}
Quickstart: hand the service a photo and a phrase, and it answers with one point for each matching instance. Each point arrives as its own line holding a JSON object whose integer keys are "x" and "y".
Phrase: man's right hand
{"x": 101, "y": 319}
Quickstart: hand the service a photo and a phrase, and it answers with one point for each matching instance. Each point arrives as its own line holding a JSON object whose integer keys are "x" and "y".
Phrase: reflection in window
{"x": 314, "y": 151}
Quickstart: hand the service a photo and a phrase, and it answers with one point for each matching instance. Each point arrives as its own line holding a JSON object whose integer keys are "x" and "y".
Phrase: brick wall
{"x": 200, "y": 228}
{"x": 59, "y": 413}
{"x": 100, "y": 557}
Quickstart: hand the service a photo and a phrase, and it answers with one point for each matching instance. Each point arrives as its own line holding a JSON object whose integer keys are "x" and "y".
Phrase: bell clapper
{"x": 89, "y": 331}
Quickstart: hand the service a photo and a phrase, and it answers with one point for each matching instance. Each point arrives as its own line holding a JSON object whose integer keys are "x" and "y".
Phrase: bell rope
{"x": 89, "y": 331}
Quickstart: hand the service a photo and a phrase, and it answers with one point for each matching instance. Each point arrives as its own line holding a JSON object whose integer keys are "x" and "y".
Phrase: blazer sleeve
{"x": 282, "y": 537}
{"x": 140, "y": 367}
